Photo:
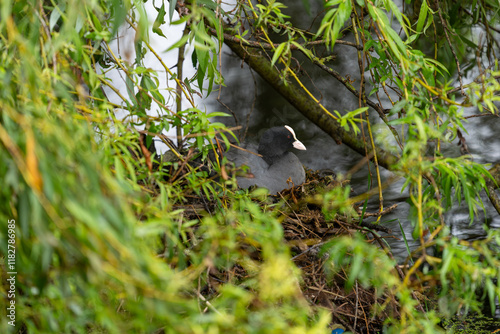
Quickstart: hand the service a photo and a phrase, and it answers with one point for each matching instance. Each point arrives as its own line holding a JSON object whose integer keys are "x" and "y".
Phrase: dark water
{"x": 256, "y": 106}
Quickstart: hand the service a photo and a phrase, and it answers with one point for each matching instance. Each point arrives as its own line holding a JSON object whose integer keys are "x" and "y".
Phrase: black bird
{"x": 277, "y": 169}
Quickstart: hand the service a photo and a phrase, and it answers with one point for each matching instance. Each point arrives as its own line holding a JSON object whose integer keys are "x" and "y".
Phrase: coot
{"x": 277, "y": 169}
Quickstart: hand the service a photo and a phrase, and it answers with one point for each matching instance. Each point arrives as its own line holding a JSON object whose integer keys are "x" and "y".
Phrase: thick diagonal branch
{"x": 305, "y": 105}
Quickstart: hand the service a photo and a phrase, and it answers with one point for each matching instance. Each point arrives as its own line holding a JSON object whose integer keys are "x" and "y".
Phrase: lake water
{"x": 254, "y": 104}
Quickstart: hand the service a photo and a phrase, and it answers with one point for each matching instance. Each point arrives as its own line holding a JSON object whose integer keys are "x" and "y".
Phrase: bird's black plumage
{"x": 278, "y": 168}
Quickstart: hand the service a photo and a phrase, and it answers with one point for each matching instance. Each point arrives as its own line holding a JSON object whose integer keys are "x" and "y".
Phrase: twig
{"x": 230, "y": 110}
{"x": 445, "y": 28}
{"x": 207, "y": 302}
{"x": 380, "y": 213}
{"x": 348, "y": 85}
{"x": 327, "y": 292}
{"x": 167, "y": 70}
{"x": 269, "y": 46}
{"x": 193, "y": 135}
{"x": 178, "y": 99}
{"x": 481, "y": 115}
{"x": 356, "y": 307}
{"x": 398, "y": 269}
{"x": 491, "y": 186}
{"x": 309, "y": 249}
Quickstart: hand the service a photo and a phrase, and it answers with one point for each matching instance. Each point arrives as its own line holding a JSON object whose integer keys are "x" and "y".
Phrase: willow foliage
{"x": 98, "y": 244}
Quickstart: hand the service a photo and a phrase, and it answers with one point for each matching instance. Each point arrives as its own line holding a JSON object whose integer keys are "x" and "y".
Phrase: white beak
{"x": 296, "y": 144}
